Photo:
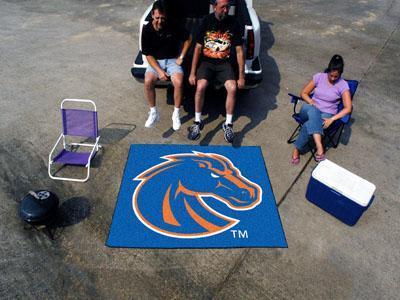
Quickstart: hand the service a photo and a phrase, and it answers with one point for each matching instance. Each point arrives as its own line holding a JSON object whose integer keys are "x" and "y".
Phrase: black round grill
{"x": 39, "y": 207}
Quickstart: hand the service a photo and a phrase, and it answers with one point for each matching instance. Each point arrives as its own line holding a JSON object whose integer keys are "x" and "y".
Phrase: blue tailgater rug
{"x": 185, "y": 196}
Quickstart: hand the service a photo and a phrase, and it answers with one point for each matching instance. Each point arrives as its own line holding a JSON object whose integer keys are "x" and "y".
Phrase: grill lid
{"x": 39, "y": 206}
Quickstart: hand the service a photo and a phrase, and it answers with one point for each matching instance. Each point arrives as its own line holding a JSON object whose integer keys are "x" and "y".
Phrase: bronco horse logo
{"x": 171, "y": 203}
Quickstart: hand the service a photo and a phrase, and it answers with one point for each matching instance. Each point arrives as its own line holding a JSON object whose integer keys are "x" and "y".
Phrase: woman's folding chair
{"x": 77, "y": 124}
{"x": 333, "y": 133}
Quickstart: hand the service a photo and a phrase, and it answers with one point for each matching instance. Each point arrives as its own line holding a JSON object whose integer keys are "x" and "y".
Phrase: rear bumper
{"x": 253, "y": 77}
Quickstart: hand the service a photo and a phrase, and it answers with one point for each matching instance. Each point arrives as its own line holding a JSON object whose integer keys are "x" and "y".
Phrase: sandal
{"x": 295, "y": 161}
{"x": 320, "y": 157}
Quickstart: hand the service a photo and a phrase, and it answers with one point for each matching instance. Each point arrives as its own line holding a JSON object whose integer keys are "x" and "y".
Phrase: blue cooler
{"x": 339, "y": 192}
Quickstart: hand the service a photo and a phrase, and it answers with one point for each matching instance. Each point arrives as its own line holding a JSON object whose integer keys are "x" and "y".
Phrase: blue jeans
{"x": 313, "y": 123}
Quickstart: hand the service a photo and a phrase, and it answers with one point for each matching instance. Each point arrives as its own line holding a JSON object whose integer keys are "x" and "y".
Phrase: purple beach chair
{"x": 77, "y": 123}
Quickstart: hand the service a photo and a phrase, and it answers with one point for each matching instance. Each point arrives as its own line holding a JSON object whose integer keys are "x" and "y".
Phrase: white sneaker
{"x": 152, "y": 119}
{"x": 176, "y": 122}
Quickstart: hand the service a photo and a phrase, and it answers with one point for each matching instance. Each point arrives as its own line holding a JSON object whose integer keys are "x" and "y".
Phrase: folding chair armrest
{"x": 95, "y": 148}
{"x": 55, "y": 146}
{"x": 294, "y": 99}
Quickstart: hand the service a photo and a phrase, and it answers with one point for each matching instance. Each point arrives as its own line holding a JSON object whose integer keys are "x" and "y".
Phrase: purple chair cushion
{"x": 72, "y": 158}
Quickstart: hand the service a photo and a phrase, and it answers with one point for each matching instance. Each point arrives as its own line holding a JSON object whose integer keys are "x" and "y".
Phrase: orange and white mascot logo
{"x": 217, "y": 45}
{"x": 171, "y": 198}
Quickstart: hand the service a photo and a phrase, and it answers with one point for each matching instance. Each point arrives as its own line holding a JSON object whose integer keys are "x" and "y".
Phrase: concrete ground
{"x": 52, "y": 50}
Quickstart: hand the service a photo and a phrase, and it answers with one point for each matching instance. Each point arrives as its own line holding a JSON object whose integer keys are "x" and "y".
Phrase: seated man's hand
{"x": 179, "y": 61}
{"x": 240, "y": 83}
{"x": 192, "y": 79}
{"x": 163, "y": 75}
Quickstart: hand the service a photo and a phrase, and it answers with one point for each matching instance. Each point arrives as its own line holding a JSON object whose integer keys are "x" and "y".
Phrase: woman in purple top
{"x": 321, "y": 109}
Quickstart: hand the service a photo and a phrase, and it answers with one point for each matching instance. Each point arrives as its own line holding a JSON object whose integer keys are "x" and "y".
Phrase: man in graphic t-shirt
{"x": 218, "y": 35}
{"x": 161, "y": 41}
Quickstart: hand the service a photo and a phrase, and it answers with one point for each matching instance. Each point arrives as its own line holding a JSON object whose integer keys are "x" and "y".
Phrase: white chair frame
{"x": 95, "y": 147}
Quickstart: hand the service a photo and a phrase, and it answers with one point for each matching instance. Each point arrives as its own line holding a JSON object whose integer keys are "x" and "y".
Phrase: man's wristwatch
{"x": 181, "y": 56}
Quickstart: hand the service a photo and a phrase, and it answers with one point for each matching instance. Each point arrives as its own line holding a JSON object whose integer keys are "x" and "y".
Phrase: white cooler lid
{"x": 344, "y": 182}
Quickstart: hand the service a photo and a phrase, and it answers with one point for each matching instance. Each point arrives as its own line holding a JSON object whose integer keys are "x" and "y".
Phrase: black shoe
{"x": 194, "y": 131}
{"x": 228, "y": 132}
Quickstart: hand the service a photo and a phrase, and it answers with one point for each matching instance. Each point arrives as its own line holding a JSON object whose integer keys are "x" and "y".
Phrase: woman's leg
{"x": 301, "y": 141}
{"x": 318, "y": 136}
{"x": 314, "y": 128}
{"x": 312, "y": 124}
{"x": 318, "y": 143}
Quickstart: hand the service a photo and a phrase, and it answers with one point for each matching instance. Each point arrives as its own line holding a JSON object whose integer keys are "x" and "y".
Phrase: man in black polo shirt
{"x": 217, "y": 35}
{"x": 161, "y": 42}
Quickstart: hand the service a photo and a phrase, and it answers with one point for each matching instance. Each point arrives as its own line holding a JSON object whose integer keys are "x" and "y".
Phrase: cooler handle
{"x": 336, "y": 192}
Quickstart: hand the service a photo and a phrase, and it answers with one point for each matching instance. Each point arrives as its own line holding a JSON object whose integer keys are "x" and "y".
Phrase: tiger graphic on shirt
{"x": 217, "y": 44}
